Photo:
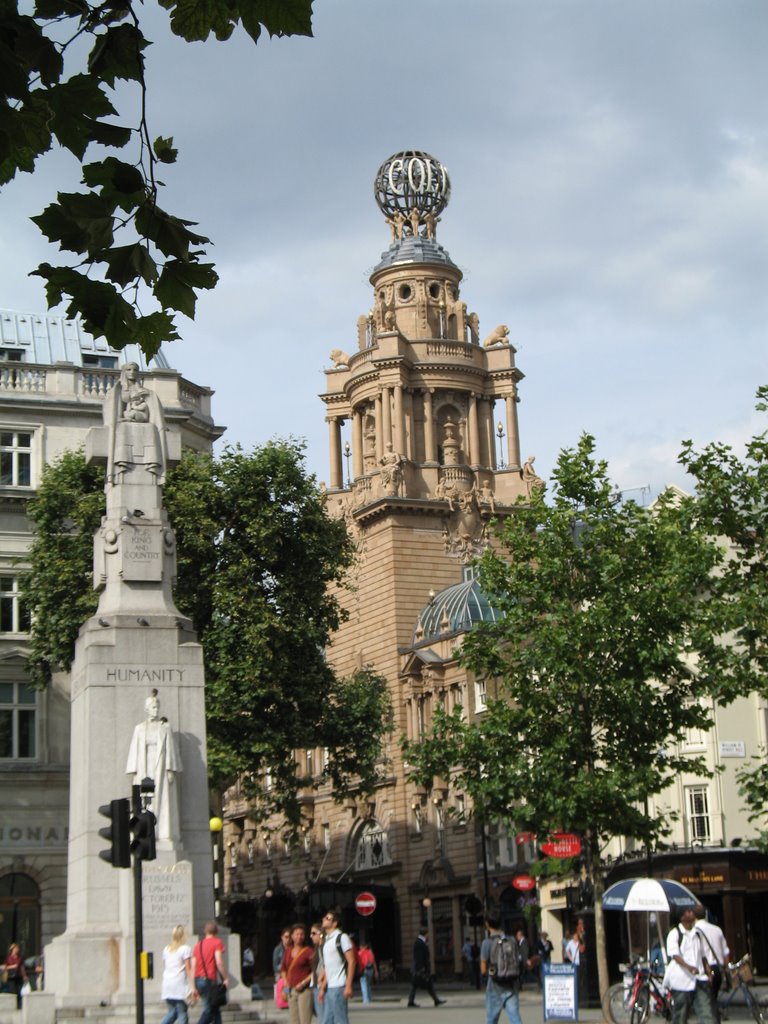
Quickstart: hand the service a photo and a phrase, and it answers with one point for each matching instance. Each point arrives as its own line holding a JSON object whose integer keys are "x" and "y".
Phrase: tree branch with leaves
{"x": 133, "y": 265}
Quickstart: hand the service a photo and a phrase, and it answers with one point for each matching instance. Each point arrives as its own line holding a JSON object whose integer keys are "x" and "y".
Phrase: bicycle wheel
{"x": 614, "y": 1006}
{"x": 640, "y": 1009}
{"x": 758, "y": 1012}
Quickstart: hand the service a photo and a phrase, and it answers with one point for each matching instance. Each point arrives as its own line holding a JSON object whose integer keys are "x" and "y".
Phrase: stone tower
{"x": 421, "y": 395}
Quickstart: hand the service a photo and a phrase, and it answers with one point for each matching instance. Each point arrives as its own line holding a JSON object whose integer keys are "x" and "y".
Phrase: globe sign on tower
{"x": 412, "y": 180}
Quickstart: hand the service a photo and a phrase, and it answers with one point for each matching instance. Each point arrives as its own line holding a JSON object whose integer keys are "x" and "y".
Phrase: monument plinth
{"x": 136, "y": 654}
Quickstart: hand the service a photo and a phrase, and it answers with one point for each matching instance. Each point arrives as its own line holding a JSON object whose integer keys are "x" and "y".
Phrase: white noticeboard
{"x": 560, "y": 992}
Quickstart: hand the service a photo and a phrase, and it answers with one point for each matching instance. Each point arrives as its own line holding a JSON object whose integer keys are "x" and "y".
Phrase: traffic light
{"x": 143, "y": 829}
{"x": 118, "y": 833}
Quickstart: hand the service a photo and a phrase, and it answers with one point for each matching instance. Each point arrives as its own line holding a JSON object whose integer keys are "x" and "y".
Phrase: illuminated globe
{"x": 412, "y": 180}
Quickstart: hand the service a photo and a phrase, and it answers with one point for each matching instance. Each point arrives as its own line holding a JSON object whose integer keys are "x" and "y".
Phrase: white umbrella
{"x": 648, "y": 894}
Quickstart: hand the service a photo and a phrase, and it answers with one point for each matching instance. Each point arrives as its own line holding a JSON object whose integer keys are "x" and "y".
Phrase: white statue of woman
{"x": 153, "y": 754}
{"x": 138, "y": 443}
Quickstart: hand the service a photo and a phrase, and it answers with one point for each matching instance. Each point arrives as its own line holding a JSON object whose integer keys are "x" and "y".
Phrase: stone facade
{"x": 53, "y": 383}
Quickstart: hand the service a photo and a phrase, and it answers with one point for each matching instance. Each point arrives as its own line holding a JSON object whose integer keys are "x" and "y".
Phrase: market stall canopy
{"x": 648, "y": 894}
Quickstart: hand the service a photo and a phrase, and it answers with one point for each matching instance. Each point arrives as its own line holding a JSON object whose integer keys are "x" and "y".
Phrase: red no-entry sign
{"x": 365, "y": 904}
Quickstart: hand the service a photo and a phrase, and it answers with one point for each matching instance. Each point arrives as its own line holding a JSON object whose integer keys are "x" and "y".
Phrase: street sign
{"x": 524, "y": 883}
{"x": 365, "y": 904}
{"x": 562, "y": 844}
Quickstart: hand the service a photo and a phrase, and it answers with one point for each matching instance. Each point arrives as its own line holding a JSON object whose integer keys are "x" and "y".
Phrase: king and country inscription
{"x": 135, "y": 652}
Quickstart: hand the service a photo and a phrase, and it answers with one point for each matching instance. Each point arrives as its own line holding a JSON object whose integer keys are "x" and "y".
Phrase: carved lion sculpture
{"x": 498, "y": 337}
{"x": 339, "y": 358}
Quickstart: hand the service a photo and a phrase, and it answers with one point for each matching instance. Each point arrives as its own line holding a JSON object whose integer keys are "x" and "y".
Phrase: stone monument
{"x": 136, "y": 651}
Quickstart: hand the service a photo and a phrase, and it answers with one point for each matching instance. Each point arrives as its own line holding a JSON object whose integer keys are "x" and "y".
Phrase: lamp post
{"x": 500, "y": 435}
{"x": 216, "y": 825}
{"x": 347, "y": 453}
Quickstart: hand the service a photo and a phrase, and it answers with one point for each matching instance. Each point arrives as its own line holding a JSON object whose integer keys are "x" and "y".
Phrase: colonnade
{"x": 395, "y": 409}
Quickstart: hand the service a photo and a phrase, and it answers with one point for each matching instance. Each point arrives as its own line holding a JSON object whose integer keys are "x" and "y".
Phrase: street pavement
{"x": 464, "y": 1005}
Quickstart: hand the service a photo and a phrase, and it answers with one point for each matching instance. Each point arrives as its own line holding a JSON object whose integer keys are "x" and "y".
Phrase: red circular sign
{"x": 365, "y": 904}
{"x": 524, "y": 882}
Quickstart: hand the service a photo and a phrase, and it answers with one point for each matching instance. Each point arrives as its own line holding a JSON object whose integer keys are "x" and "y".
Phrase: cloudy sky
{"x": 609, "y": 168}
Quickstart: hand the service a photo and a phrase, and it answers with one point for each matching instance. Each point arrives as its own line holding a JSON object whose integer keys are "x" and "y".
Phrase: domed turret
{"x": 454, "y": 610}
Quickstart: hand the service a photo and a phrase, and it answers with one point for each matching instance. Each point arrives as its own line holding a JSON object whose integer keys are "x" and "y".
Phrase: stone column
{"x": 386, "y": 418}
{"x": 430, "y": 451}
{"x": 399, "y": 424}
{"x": 474, "y": 436}
{"x": 334, "y": 441}
{"x": 379, "y": 428}
{"x": 357, "y": 444}
{"x": 513, "y": 434}
{"x": 410, "y": 441}
{"x": 486, "y": 433}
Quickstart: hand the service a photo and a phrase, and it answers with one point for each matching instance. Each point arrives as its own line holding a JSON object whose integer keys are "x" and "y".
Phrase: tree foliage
{"x": 257, "y": 554}
{"x": 59, "y": 71}
{"x": 733, "y": 504}
{"x": 603, "y": 658}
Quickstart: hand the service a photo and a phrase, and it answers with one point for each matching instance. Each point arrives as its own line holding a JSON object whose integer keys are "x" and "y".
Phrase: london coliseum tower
{"x": 413, "y": 404}
{"x": 422, "y": 394}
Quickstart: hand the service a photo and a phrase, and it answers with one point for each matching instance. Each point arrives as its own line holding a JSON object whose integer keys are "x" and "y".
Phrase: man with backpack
{"x": 338, "y": 971}
{"x": 501, "y": 967}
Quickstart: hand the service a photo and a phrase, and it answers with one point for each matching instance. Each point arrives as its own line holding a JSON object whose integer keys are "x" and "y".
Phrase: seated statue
{"x": 137, "y": 430}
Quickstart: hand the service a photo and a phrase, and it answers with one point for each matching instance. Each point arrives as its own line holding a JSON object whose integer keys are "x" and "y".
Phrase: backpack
{"x": 343, "y": 958}
{"x": 504, "y": 961}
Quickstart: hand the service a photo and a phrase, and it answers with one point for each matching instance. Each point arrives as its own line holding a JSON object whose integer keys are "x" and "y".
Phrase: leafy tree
{"x": 593, "y": 663}
{"x": 256, "y": 556}
{"x": 129, "y": 252}
{"x": 733, "y": 504}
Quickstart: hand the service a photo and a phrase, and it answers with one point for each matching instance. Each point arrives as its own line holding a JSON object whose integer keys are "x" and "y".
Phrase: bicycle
{"x": 634, "y": 1004}
{"x": 741, "y": 975}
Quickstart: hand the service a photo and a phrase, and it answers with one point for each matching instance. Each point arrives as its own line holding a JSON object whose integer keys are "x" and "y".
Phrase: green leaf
{"x": 117, "y": 54}
{"x": 74, "y": 106}
{"x": 114, "y": 174}
{"x": 79, "y": 222}
{"x": 164, "y": 151}
{"x": 152, "y": 330}
{"x": 178, "y": 281}
{"x": 126, "y": 263}
{"x": 279, "y": 17}
{"x": 112, "y": 135}
{"x": 196, "y": 19}
{"x": 169, "y": 233}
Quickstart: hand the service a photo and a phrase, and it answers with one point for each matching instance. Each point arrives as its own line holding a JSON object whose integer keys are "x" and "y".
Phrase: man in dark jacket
{"x": 421, "y": 970}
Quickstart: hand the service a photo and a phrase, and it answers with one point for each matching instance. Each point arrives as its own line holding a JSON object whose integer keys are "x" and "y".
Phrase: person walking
{"x": 209, "y": 967}
{"x": 338, "y": 973}
{"x": 502, "y": 968}
{"x": 367, "y": 969}
{"x": 686, "y": 972}
{"x": 716, "y": 953}
{"x": 316, "y": 935}
{"x": 421, "y": 970}
{"x": 297, "y": 972}
{"x": 278, "y": 957}
{"x": 14, "y": 972}
{"x": 178, "y": 977}
{"x": 544, "y": 950}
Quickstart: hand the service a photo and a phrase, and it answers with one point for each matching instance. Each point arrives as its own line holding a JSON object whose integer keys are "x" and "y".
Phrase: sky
{"x": 609, "y": 170}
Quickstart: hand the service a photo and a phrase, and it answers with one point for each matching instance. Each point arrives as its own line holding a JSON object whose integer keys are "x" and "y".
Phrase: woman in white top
{"x": 178, "y": 979}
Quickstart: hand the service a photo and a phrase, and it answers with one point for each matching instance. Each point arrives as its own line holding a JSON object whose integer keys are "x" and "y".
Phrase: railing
{"x": 22, "y": 378}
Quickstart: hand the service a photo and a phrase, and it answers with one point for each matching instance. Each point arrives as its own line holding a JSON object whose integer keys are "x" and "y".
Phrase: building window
{"x": 699, "y": 822}
{"x": 18, "y": 705}
{"x": 417, "y": 819}
{"x": 15, "y": 458}
{"x": 481, "y": 694}
{"x": 14, "y": 617}
{"x": 326, "y": 836}
{"x": 694, "y": 739}
{"x": 310, "y": 756}
{"x": 372, "y": 848}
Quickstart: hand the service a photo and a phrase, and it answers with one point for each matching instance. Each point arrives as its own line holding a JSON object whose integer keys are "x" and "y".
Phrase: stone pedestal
{"x": 118, "y": 662}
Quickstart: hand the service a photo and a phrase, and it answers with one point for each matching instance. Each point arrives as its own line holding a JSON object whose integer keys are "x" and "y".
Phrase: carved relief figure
{"x": 153, "y": 754}
{"x": 473, "y": 322}
{"x": 500, "y": 336}
{"x": 391, "y": 471}
{"x": 137, "y": 441}
{"x": 415, "y": 218}
{"x": 431, "y": 222}
{"x": 397, "y": 222}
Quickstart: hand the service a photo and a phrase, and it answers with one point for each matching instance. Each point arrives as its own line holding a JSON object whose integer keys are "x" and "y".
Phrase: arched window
{"x": 20, "y": 914}
{"x": 372, "y": 849}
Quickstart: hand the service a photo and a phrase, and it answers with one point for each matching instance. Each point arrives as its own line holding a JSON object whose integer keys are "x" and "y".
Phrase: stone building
{"x": 425, "y": 411}
{"x": 424, "y": 450}
{"x": 53, "y": 382}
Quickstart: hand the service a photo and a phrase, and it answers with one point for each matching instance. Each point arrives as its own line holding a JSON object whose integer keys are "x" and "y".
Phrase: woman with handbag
{"x": 211, "y": 978}
{"x": 14, "y": 974}
{"x": 178, "y": 978}
{"x": 297, "y": 972}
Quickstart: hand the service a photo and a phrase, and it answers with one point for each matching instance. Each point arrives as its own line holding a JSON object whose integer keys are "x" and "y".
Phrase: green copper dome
{"x": 454, "y": 610}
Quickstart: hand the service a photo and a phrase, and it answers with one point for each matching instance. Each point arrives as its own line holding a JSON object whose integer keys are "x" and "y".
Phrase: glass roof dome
{"x": 454, "y": 610}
